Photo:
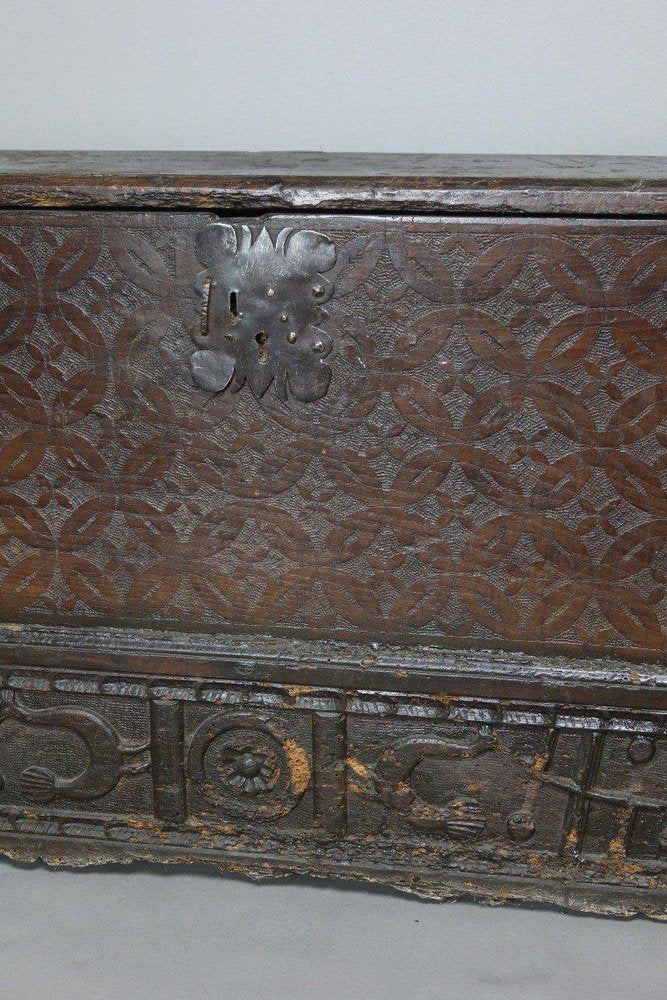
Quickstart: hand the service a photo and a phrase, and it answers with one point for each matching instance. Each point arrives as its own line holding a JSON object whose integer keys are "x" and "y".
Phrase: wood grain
{"x": 265, "y": 182}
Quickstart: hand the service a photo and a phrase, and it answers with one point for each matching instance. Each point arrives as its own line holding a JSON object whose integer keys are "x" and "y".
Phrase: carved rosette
{"x": 247, "y": 767}
{"x": 260, "y": 312}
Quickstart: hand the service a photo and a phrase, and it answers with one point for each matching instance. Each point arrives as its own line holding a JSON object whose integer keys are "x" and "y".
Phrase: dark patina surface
{"x": 335, "y": 541}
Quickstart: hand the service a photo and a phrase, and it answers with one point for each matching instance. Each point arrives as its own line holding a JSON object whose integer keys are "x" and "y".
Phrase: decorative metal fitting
{"x": 262, "y": 303}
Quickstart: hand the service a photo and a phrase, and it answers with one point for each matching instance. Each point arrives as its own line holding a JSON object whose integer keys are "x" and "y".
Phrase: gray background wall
{"x": 542, "y": 76}
{"x": 576, "y": 76}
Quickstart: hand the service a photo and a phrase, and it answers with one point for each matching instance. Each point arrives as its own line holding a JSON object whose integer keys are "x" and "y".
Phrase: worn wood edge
{"x": 315, "y": 180}
{"x": 492, "y": 890}
{"x": 322, "y": 194}
{"x": 322, "y": 663}
{"x": 485, "y": 167}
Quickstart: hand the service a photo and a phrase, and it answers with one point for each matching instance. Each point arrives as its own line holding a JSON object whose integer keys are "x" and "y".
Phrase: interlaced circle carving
{"x": 486, "y": 465}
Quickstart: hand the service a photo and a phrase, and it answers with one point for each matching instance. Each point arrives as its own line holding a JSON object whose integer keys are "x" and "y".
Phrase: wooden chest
{"x": 333, "y": 521}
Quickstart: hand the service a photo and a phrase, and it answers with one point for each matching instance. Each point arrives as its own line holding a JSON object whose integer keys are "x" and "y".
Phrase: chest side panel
{"x": 442, "y": 430}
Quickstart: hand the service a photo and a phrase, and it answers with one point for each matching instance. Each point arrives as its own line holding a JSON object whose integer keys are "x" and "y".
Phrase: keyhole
{"x": 233, "y": 307}
{"x": 262, "y": 340}
{"x": 206, "y": 306}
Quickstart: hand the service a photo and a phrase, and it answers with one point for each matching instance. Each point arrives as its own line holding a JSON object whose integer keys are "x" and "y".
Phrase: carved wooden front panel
{"x": 475, "y": 453}
{"x": 392, "y": 786}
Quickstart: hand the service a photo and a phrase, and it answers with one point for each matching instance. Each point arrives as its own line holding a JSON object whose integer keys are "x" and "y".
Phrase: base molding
{"x": 500, "y": 777}
{"x": 608, "y": 899}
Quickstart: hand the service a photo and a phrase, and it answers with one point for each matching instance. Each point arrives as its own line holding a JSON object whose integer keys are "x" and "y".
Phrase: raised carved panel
{"x": 588, "y": 791}
{"x": 247, "y": 764}
{"x": 460, "y": 816}
{"x": 409, "y": 789}
{"x": 485, "y": 778}
{"x": 486, "y": 467}
{"x": 57, "y": 753}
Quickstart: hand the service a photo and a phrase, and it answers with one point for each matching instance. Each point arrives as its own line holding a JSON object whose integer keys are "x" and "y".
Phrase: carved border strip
{"x": 449, "y": 709}
{"x": 246, "y": 714}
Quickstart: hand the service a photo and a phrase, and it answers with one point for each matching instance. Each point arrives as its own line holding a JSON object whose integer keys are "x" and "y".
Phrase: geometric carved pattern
{"x": 487, "y": 466}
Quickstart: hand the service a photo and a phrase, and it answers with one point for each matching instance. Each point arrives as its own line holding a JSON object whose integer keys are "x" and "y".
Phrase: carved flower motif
{"x": 250, "y": 772}
{"x": 261, "y": 306}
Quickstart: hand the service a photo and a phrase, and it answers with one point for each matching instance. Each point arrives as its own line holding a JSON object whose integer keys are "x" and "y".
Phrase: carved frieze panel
{"x": 572, "y": 792}
{"x": 250, "y": 765}
{"x": 365, "y": 781}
